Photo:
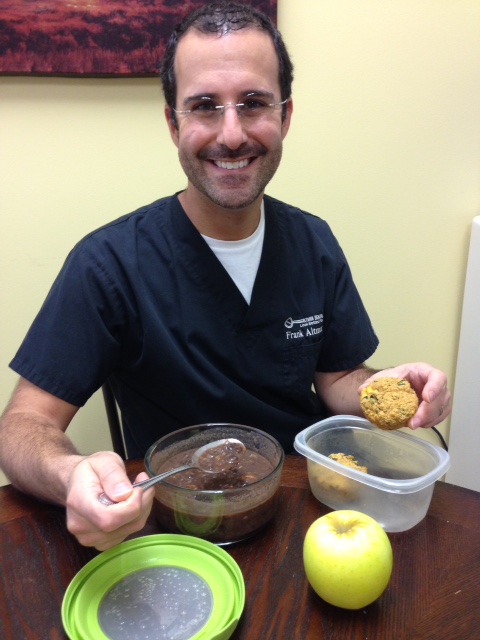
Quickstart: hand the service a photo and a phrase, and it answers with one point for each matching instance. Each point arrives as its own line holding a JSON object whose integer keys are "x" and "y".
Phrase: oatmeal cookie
{"x": 348, "y": 461}
{"x": 389, "y": 403}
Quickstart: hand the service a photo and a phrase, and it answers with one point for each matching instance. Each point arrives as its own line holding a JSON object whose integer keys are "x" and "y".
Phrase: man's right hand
{"x": 40, "y": 459}
{"x": 93, "y": 523}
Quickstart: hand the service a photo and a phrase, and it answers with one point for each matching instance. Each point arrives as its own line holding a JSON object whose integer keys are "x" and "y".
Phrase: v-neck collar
{"x": 208, "y": 272}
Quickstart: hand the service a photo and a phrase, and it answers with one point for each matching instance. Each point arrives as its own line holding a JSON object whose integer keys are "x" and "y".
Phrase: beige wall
{"x": 385, "y": 144}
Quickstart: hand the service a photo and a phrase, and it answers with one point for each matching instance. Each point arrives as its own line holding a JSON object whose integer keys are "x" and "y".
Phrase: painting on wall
{"x": 91, "y": 37}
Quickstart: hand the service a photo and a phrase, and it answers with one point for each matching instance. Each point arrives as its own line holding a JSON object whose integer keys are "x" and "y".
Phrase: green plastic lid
{"x": 160, "y": 587}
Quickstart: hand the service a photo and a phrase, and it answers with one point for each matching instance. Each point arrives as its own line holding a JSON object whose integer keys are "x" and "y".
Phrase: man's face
{"x": 230, "y": 161}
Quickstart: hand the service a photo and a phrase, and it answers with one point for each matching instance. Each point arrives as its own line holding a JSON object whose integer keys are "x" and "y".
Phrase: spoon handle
{"x": 145, "y": 484}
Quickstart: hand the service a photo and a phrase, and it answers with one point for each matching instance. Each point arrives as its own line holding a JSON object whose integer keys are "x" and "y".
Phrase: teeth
{"x": 232, "y": 165}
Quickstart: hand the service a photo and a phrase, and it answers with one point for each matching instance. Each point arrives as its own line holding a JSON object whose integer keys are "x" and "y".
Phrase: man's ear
{"x": 172, "y": 124}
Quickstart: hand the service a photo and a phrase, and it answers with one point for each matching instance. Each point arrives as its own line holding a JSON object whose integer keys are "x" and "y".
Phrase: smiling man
{"x": 228, "y": 153}
{"x": 217, "y": 304}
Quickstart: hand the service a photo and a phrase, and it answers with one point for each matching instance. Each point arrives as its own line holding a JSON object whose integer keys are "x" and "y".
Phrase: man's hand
{"x": 431, "y": 387}
{"x": 91, "y": 522}
{"x": 39, "y": 459}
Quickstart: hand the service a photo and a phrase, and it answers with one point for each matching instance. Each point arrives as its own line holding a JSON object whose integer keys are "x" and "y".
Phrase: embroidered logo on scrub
{"x": 304, "y": 327}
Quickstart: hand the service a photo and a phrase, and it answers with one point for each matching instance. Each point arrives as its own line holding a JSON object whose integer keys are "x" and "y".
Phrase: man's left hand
{"x": 431, "y": 387}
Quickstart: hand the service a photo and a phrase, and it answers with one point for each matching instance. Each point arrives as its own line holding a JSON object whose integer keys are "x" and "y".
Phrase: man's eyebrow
{"x": 251, "y": 93}
{"x": 259, "y": 94}
{"x": 198, "y": 97}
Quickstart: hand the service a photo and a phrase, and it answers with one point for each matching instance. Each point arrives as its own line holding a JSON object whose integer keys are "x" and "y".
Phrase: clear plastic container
{"x": 402, "y": 470}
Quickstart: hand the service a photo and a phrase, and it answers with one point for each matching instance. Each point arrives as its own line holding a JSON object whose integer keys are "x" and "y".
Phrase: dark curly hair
{"x": 221, "y": 18}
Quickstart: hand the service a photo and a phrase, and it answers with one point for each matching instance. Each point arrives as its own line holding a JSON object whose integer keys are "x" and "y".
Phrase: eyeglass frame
{"x": 222, "y": 107}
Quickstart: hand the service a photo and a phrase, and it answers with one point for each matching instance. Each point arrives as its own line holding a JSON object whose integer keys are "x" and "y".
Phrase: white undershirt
{"x": 241, "y": 258}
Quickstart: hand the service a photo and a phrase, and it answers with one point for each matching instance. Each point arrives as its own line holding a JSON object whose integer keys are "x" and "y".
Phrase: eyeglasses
{"x": 207, "y": 111}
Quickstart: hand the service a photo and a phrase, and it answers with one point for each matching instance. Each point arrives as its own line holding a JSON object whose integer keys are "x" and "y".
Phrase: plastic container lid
{"x": 160, "y": 587}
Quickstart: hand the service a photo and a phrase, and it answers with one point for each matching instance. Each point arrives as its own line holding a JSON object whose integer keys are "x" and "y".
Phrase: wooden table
{"x": 434, "y": 592}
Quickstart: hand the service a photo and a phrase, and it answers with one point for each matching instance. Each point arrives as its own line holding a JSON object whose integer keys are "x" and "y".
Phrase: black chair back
{"x": 114, "y": 421}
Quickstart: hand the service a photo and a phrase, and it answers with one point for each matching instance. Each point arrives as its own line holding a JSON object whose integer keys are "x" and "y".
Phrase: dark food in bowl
{"x": 248, "y": 468}
{"x": 223, "y": 507}
{"x": 220, "y": 458}
{"x": 220, "y": 528}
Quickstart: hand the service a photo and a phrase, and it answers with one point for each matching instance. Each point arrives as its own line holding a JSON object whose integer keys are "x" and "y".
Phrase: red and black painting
{"x": 91, "y": 37}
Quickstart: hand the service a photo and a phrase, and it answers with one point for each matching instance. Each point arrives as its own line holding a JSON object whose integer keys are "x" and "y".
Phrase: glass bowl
{"x": 221, "y": 515}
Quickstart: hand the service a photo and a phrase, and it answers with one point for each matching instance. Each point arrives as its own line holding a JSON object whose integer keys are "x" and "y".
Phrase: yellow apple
{"x": 348, "y": 558}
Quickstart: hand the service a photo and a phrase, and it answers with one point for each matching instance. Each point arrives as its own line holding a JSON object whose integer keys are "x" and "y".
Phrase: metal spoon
{"x": 214, "y": 457}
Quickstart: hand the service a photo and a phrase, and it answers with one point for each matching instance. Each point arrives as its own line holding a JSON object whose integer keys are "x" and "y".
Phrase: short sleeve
{"x": 74, "y": 342}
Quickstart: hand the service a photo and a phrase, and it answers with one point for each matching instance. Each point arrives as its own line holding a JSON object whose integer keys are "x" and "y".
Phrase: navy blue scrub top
{"x": 144, "y": 302}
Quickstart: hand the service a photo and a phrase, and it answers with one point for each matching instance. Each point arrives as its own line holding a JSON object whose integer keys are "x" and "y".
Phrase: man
{"x": 217, "y": 304}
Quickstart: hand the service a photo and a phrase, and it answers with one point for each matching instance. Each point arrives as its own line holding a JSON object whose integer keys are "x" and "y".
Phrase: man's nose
{"x": 231, "y": 131}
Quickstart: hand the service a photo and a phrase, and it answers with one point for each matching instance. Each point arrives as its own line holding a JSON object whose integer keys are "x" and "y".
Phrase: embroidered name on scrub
{"x": 304, "y": 327}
